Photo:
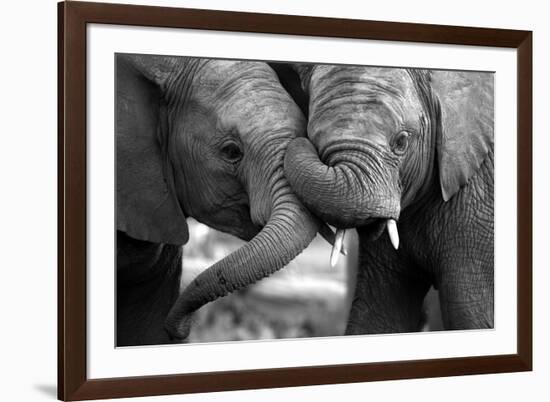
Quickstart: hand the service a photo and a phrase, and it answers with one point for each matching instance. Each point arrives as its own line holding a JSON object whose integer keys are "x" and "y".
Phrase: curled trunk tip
{"x": 289, "y": 230}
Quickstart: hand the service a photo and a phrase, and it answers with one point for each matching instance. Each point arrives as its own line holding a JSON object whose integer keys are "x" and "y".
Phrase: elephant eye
{"x": 400, "y": 142}
{"x": 232, "y": 152}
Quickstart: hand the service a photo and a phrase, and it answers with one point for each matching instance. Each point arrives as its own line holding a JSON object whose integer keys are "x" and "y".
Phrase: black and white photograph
{"x": 243, "y": 201}
{"x": 273, "y": 200}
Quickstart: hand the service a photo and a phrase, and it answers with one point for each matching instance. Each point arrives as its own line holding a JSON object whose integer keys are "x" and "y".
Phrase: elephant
{"x": 201, "y": 138}
{"x": 409, "y": 151}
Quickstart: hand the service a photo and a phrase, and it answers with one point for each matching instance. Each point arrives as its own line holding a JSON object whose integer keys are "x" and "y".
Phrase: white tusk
{"x": 391, "y": 225}
{"x": 338, "y": 243}
{"x": 326, "y": 233}
{"x": 344, "y": 250}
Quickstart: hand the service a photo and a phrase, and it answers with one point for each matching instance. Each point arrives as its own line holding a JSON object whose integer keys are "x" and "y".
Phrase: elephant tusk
{"x": 391, "y": 225}
{"x": 336, "y": 249}
{"x": 326, "y": 233}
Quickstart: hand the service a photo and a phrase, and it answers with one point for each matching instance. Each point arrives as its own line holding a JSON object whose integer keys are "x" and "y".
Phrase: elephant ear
{"x": 147, "y": 209}
{"x": 465, "y": 133}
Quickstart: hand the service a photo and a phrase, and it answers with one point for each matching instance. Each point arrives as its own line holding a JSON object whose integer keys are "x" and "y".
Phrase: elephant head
{"x": 379, "y": 138}
{"x": 206, "y": 138}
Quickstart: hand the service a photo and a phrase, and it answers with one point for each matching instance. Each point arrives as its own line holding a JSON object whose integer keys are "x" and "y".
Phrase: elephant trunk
{"x": 288, "y": 231}
{"x": 356, "y": 184}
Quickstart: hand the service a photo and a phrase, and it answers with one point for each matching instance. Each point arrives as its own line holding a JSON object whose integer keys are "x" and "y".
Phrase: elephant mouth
{"x": 373, "y": 228}
{"x": 370, "y": 230}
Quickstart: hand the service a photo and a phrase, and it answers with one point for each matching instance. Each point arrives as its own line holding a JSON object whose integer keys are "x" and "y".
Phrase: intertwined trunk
{"x": 356, "y": 184}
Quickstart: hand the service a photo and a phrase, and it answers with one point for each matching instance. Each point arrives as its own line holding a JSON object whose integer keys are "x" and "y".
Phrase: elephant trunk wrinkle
{"x": 354, "y": 185}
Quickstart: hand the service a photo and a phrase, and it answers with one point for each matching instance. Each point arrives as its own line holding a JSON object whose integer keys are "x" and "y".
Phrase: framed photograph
{"x": 253, "y": 200}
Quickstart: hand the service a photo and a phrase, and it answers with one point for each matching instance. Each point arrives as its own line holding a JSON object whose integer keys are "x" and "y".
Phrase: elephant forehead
{"x": 219, "y": 76}
{"x": 253, "y": 114}
{"x": 251, "y": 87}
{"x": 364, "y": 98}
{"x": 392, "y": 78}
{"x": 245, "y": 116}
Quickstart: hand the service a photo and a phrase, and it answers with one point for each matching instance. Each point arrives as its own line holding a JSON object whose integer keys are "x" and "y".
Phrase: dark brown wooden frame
{"x": 73, "y": 383}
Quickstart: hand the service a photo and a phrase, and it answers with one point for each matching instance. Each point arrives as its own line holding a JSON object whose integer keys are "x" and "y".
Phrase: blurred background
{"x": 307, "y": 298}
